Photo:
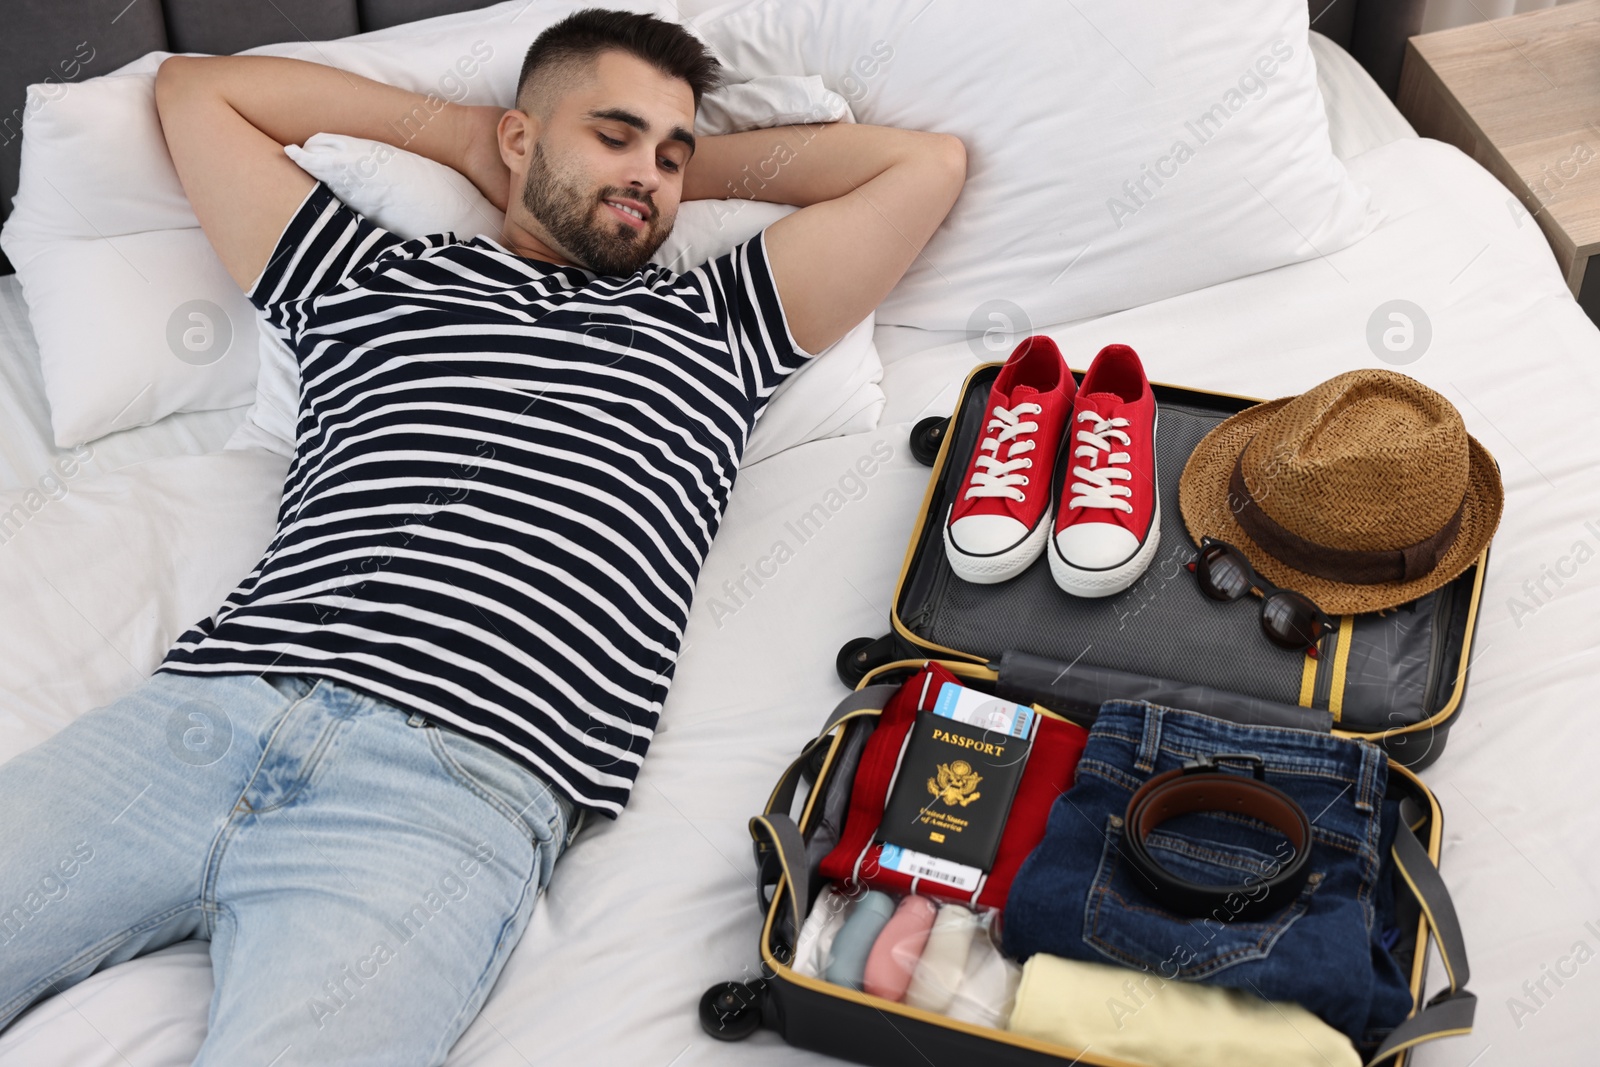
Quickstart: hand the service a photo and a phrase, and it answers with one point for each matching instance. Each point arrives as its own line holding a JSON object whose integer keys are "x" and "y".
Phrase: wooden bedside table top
{"x": 1525, "y": 89}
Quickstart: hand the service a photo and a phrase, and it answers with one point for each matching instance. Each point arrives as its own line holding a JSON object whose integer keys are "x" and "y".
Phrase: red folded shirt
{"x": 1051, "y": 765}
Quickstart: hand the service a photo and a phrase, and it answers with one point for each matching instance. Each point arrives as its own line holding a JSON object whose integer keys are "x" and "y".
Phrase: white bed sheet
{"x": 645, "y": 913}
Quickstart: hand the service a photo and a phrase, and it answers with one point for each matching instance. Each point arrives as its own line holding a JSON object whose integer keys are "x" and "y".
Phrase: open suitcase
{"x": 1395, "y": 679}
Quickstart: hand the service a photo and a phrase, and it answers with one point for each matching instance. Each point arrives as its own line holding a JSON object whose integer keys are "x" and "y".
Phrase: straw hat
{"x": 1362, "y": 493}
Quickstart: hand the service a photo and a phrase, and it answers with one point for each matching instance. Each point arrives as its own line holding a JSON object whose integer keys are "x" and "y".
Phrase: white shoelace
{"x": 994, "y": 477}
{"x": 1097, "y": 490}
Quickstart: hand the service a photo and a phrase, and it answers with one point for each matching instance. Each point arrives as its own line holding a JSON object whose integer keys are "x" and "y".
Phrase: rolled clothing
{"x": 988, "y": 986}
{"x": 867, "y": 919}
{"x": 827, "y": 918}
{"x": 1139, "y": 1016}
{"x": 1077, "y": 897}
{"x": 944, "y": 959}
{"x": 894, "y": 955}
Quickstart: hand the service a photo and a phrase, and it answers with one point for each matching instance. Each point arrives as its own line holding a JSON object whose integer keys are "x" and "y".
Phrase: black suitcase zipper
{"x": 1442, "y": 611}
{"x": 1322, "y": 686}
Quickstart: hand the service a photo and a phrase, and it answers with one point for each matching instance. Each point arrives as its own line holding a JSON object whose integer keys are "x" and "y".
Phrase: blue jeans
{"x": 361, "y": 875}
{"x": 1077, "y": 897}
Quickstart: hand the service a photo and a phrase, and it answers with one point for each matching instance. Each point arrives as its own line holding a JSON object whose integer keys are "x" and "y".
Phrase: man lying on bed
{"x": 513, "y": 453}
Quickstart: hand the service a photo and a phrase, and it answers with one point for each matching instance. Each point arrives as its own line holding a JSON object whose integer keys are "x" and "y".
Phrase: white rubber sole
{"x": 1110, "y": 580}
{"x": 987, "y": 570}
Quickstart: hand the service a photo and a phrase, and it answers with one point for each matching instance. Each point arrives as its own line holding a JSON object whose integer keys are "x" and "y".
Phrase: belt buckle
{"x": 1212, "y": 763}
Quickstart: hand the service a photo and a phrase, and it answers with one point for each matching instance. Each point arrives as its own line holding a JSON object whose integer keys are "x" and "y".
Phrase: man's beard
{"x": 567, "y": 208}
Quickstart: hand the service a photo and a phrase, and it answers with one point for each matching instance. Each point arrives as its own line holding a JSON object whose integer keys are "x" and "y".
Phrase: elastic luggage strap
{"x": 872, "y": 698}
{"x": 1448, "y": 1014}
{"x": 775, "y": 832}
{"x": 779, "y": 834}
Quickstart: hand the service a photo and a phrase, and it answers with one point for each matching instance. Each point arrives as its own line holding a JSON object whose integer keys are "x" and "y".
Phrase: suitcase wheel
{"x": 854, "y": 660}
{"x": 926, "y": 437}
{"x": 862, "y": 655}
{"x": 730, "y": 1011}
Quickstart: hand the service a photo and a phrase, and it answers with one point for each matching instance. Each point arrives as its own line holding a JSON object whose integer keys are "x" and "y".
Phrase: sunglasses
{"x": 1289, "y": 619}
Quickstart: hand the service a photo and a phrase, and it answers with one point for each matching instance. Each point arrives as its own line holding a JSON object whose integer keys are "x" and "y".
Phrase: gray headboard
{"x": 68, "y": 40}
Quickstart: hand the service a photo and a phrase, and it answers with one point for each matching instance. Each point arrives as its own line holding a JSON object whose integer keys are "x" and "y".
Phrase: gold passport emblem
{"x": 956, "y": 784}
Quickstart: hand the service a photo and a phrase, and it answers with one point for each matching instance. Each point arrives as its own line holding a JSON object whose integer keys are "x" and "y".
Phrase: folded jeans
{"x": 1077, "y": 897}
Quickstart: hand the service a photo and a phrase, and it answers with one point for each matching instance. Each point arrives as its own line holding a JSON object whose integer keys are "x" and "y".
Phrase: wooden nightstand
{"x": 1521, "y": 95}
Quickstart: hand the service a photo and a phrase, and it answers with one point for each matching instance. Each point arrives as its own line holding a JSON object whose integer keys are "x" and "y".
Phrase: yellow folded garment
{"x": 1138, "y": 1016}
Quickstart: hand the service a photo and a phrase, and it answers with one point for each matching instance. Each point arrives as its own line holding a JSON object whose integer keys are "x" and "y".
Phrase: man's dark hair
{"x": 561, "y": 56}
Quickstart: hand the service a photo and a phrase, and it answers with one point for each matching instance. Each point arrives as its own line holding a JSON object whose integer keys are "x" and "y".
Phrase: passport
{"x": 953, "y": 790}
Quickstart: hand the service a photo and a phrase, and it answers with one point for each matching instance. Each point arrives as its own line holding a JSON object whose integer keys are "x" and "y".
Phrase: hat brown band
{"x": 1337, "y": 564}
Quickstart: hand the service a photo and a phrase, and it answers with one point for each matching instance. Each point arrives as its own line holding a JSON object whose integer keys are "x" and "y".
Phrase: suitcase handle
{"x": 1076, "y": 690}
{"x": 1450, "y": 1012}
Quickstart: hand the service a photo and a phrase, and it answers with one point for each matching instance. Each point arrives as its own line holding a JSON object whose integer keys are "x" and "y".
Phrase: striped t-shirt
{"x": 506, "y": 477}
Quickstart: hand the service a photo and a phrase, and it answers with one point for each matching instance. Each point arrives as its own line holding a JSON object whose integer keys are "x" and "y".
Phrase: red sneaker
{"x": 1109, "y": 523}
{"x": 998, "y": 525}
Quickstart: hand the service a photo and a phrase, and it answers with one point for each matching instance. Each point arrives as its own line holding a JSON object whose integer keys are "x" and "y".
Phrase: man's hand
{"x": 870, "y": 198}
{"x": 227, "y": 118}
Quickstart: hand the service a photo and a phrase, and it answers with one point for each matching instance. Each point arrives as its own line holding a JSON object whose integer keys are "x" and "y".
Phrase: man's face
{"x": 593, "y": 162}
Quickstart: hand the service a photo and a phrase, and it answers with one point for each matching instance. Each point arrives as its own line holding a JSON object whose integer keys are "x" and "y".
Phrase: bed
{"x": 149, "y": 533}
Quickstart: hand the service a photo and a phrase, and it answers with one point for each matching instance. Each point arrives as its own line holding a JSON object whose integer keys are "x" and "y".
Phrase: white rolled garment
{"x": 827, "y": 918}
{"x": 944, "y": 960}
{"x": 989, "y": 984}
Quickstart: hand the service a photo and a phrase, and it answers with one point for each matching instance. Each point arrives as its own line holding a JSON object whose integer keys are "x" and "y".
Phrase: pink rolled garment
{"x": 895, "y": 953}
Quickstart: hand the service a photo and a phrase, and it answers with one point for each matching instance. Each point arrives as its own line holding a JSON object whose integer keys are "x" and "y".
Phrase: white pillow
{"x": 396, "y": 189}
{"x": 837, "y": 392}
{"x": 135, "y": 315}
{"x": 1066, "y": 110}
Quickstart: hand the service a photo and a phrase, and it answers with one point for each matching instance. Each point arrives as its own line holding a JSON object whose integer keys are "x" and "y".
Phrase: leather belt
{"x": 1200, "y": 786}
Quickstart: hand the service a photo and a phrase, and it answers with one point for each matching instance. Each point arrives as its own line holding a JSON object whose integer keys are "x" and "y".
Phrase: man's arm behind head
{"x": 227, "y": 118}
{"x": 870, "y": 199}
{"x": 243, "y": 188}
